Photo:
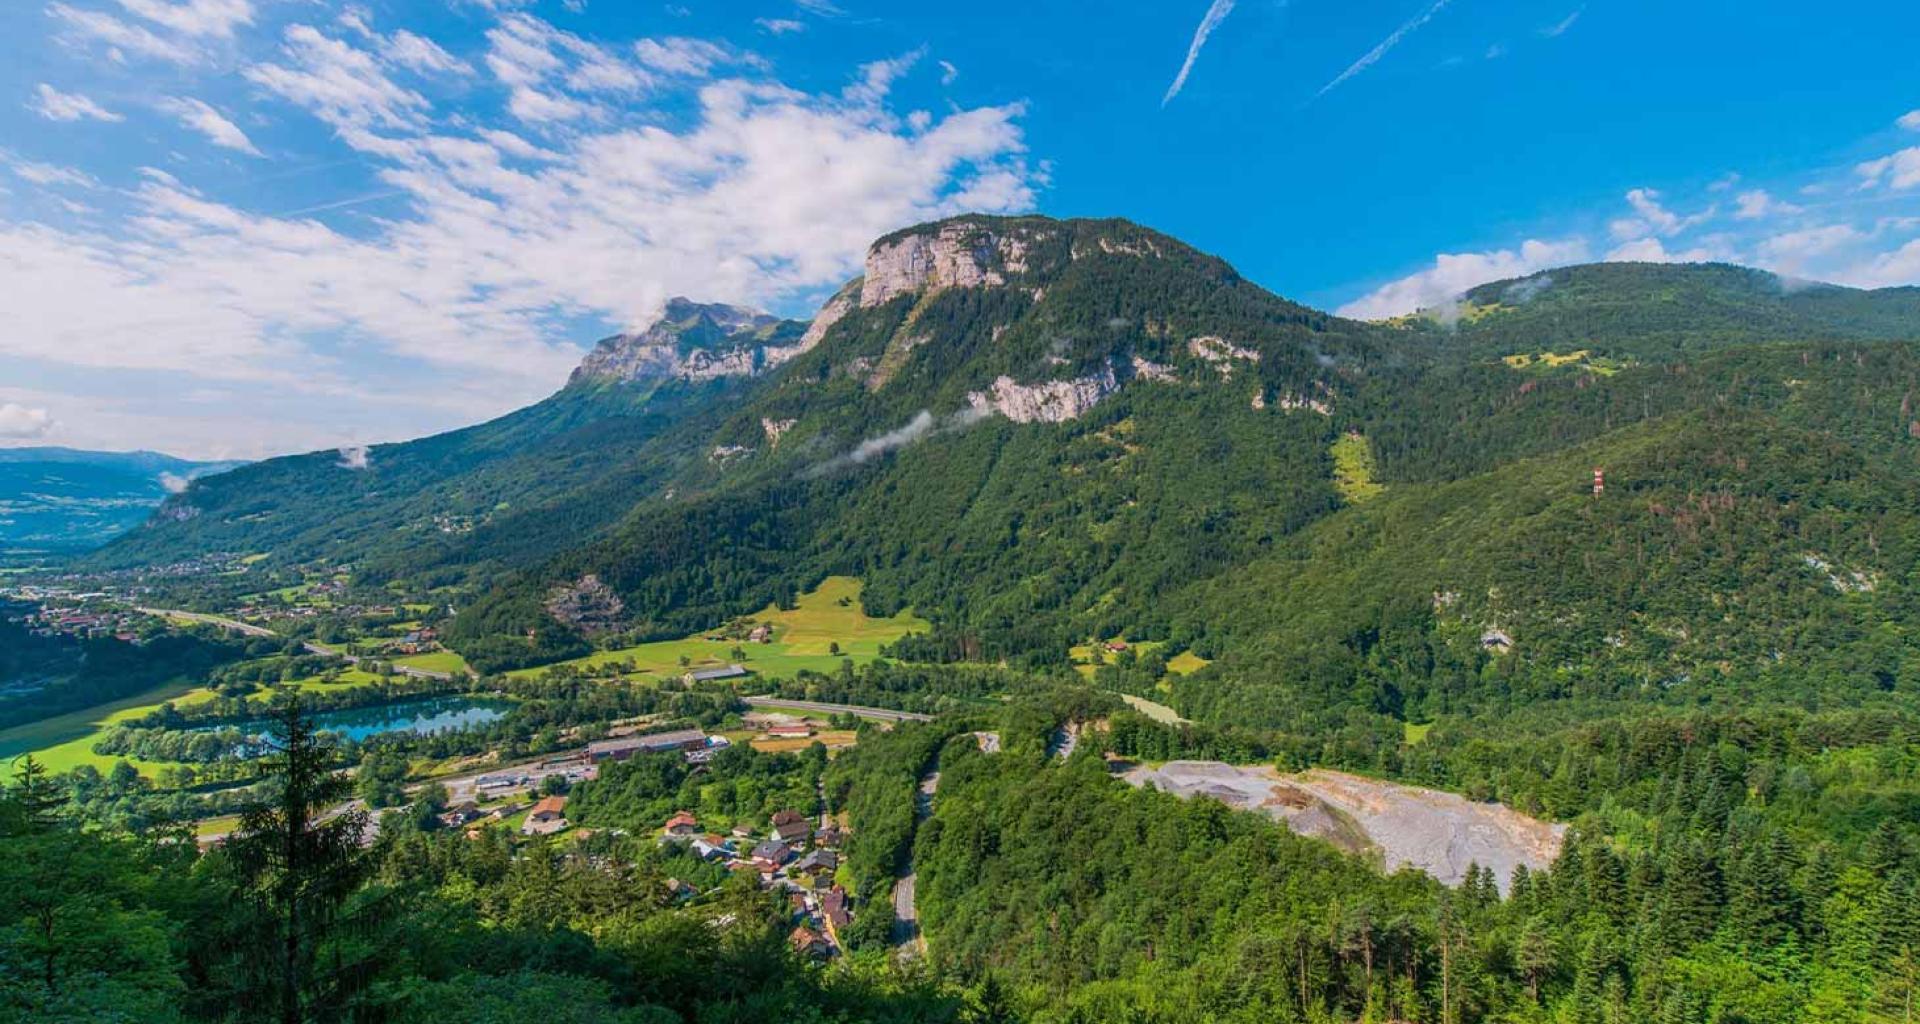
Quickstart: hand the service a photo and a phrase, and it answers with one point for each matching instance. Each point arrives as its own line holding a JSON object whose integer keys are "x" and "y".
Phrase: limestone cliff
{"x": 697, "y": 341}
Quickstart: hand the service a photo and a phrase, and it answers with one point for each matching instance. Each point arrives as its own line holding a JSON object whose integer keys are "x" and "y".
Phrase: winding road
{"x": 906, "y": 917}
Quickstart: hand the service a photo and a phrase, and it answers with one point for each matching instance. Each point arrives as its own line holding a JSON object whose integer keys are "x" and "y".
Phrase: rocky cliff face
{"x": 957, "y": 254}
{"x": 697, "y": 341}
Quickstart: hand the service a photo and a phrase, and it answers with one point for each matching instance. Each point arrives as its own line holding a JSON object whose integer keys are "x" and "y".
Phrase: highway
{"x": 212, "y": 620}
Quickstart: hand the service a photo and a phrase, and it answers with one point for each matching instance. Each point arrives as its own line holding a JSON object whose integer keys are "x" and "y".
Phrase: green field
{"x": 1186, "y": 663}
{"x": 438, "y": 661}
{"x": 346, "y": 679}
{"x": 65, "y": 742}
{"x": 803, "y": 638}
{"x": 1088, "y": 657}
{"x": 1152, "y": 709}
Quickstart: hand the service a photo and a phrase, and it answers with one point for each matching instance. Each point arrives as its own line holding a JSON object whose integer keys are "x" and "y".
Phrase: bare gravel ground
{"x": 1439, "y": 833}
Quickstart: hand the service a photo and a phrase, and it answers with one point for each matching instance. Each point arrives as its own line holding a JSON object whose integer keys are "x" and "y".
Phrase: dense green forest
{"x": 1723, "y": 867}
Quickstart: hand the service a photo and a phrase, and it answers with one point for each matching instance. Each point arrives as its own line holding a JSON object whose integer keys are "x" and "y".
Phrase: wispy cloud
{"x": 1216, "y": 13}
{"x": 1372, "y": 57}
{"x": 1559, "y": 28}
{"x": 198, "y": 116}
{"x": 498, "y": 245}
{"x": 55, "y": 105}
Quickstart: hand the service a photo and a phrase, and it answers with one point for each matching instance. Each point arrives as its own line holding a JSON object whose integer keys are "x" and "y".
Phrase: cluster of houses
{"x": 791, "y": 856}
{"x": 79, "y": 622}
{"x": 424, "y": 640}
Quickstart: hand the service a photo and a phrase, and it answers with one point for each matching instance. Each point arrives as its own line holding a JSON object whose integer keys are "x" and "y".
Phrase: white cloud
{"x": 1216, "y": 13}
{"x": 780, "y": 26}
{"x": 1756, "y": 204}
{"x": 121, "y": 37}
{"x": 341, "y": 84}
{"x": 1373, "y": 56}
{"x": 948, "y": 73}
{"x": 678, "y": 55}
{"x": 18, "y": 422}
{"x": 353, "y": 456}
{"x": 1438, "y": 286}
{"x": 421, "y": 54}
{"x": 497, "y": 249}
{"x": 200, "y": 117}
{"x": 1910, "y": 121}
{"x": 55, "y": 105}
{"x": 1900, "y": 266}
{"x": 1653, "y": 218}
{"x": 1652, "y": 250}
{"x": 1792, "y": 251}
{"x": 53, "y": 174}
{"x": 1899, "y": 170}
{"x": 216, "y": 18}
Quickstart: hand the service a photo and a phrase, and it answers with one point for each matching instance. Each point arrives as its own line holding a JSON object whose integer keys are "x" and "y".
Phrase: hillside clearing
{"x": 804, "y": 637}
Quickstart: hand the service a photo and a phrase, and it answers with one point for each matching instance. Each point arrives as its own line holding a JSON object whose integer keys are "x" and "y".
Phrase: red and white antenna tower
{"x": 1599, "y": 481}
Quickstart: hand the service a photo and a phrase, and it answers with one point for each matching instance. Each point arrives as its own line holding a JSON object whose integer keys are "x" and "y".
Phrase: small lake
{"x": 420, "y": 717}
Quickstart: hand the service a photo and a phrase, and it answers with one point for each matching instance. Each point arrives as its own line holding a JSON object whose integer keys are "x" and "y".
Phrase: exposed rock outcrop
{"x": 957, "y": 254}
{"x": 1054, "y": 401}
{"x": 697, "y": 341}
{"x": 587, "y": 604}
{"x": 843, "y": 302}
{"x": 775, "y": 428}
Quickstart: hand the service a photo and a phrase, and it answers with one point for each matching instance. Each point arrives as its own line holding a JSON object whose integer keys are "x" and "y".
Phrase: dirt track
{"x": 1439, "y": 833}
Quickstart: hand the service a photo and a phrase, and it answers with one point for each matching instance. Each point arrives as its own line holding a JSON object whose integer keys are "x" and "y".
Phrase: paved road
{"x": 816, "y": 707}
{"x": 212, "y": 620}
{"x": 906, "y": 917}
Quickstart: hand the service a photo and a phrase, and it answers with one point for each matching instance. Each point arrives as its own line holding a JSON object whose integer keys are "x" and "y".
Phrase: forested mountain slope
{"x": 1655, "y": 311}
{"x": 528, "y": 480}
{"x": 1037, "y": 431}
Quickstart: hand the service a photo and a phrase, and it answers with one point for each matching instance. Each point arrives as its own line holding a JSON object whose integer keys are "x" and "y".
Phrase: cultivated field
{"x": 66, "y": 742}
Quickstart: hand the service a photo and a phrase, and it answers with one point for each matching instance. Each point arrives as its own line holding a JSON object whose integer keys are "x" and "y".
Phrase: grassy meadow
{"x": 803, "y": 638}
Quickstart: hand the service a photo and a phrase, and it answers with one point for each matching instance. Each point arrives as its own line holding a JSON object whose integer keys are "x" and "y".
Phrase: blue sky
{"x": 242, "y": 227}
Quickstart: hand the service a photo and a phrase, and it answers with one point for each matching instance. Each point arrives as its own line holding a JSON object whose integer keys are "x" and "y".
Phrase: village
{"x": 793, "y": 854}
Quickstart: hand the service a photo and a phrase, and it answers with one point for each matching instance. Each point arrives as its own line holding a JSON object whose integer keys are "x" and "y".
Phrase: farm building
{"x": 704, "y": 675}
{"x": 626, "y": 746}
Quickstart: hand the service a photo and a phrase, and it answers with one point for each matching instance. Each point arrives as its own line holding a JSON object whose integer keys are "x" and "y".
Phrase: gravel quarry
{"x": 1405, "y": 826}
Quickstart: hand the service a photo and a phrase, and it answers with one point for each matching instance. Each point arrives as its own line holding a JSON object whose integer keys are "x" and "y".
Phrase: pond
{"x": 420, "y": 717}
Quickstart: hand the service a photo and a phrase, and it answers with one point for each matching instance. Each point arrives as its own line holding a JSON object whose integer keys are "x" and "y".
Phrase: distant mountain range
{"x": 63, "y": 499}
{"x": 1036, "y": 432}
